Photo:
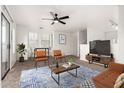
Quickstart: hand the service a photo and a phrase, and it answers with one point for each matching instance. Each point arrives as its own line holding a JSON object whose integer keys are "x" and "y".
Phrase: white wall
{"x": 70, "y": 48}
{"x": 81, "y": 39}
{"x": 120, "y": 58}
{"x": 13, "y": 46}
{"x": 78, "y": 44}
{"x": 114, "y": 49}
{"x": 95, "y": 34}
{"x": 84, "y": 50}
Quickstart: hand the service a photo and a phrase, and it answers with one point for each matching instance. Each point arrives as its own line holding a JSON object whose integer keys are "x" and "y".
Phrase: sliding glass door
{"x": 5, "y": 46}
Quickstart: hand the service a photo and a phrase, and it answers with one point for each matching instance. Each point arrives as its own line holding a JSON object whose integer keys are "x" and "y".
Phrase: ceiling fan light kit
{"x": 56, "y": 21}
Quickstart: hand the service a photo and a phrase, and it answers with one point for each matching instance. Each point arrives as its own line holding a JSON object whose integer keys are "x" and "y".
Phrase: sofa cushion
{"x": 107, "y": 78}
{"x": 40, "y": 53}
{"x": 116, "y": 67}
{"x": 119, "y": 81}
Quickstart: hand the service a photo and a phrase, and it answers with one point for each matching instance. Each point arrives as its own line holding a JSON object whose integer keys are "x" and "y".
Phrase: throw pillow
{"x": 119, "y": 81}
{"x": 123, "y": 71}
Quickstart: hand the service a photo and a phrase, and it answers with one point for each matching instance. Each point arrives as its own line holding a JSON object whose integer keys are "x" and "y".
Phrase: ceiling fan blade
{"x": 53, "y": 14}
{"x": 62, "y": 22}
{"x": 65, "y": 17}
{"x": 47, "y": 19}
{"x": 52, "y": 23}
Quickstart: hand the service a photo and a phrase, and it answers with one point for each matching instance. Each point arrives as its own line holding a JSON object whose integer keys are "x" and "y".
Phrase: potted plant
{"x": 71, "y": 60}
{"x": 21, "y": 50}
{"x": 55, "y": 63}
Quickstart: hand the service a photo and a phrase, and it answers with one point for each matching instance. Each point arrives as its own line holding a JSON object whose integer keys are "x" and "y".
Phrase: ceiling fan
{"x": 56, "y": 19}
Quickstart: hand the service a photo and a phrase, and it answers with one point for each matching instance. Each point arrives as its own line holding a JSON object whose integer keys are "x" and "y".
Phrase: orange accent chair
{"x": 57, "y": 54}
{"x": 40, "y": 56}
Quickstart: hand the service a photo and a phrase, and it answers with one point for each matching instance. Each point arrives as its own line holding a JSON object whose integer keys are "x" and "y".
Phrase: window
{"x": 45, "y": 41}
{"x": 38, "y": 40}
{"x": 33, "y": 43}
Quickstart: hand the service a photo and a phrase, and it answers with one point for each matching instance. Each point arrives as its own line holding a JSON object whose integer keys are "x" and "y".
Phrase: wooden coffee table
{"x": 61, "y": 69}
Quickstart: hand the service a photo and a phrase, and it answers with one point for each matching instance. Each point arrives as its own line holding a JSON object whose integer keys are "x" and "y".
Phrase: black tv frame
{"x": 100, "y": 47}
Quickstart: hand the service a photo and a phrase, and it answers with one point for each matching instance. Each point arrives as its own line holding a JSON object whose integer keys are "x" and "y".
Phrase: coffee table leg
{"x": 75, "y": 75}
{"x": 57, "y": 81}
{"x": 76, "y": 72}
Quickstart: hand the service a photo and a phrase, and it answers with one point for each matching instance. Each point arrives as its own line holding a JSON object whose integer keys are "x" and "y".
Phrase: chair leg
{"x": 36, "y": 65}
{"x": 44, "y": 62}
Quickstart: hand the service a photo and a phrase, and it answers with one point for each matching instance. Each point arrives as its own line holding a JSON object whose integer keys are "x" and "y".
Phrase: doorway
{"x": 5, "y": 46}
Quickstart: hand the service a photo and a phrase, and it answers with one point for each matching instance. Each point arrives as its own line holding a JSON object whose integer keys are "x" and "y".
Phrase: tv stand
{"x": 99, "y": 59}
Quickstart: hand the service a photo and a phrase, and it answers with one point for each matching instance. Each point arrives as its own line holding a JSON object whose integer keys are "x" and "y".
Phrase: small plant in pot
{"x": 71, "y": 60}
{"x": 55, "y": 63}
{"x": 21, "y": 50}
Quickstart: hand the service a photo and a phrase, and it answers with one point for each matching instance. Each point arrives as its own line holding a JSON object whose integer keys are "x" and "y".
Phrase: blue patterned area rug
{"x": 41, "y": 78}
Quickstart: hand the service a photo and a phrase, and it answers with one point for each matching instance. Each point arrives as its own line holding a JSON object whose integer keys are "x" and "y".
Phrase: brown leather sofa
{"x": 107, "y": 78}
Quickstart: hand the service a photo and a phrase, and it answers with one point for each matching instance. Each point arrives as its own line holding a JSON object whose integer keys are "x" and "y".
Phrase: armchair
{"x": 57, "y": 54}
{"x": 40, "y": 56}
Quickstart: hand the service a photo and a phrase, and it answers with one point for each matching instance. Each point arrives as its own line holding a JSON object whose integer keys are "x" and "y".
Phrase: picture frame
{"x": 62, "y": 39}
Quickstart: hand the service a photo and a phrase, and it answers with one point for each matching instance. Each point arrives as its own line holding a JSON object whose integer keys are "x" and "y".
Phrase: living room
{"x": 38, "y": 26}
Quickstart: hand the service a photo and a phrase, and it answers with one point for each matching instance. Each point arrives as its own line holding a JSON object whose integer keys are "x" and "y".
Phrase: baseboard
{"x": 5, "y": 74}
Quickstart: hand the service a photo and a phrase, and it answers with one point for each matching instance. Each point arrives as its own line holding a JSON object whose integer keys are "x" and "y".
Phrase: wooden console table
{"x": 99, "y": 59}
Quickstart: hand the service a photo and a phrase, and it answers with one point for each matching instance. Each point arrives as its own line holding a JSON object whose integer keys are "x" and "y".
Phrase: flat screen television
{"x": 100, "y": 47}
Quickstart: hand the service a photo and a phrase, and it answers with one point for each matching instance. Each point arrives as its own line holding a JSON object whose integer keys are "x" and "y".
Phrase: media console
{"x": 100, "y": 59}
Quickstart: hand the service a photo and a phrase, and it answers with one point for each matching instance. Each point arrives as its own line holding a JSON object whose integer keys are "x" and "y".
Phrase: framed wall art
{"x": 62, "y": 39}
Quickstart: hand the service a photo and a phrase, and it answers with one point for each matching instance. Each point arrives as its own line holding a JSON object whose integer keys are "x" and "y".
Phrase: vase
{"x": 21, "y": 59}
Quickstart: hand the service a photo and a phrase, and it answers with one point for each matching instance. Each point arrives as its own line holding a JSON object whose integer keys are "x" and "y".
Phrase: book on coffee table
{"x": 66, "y": 65}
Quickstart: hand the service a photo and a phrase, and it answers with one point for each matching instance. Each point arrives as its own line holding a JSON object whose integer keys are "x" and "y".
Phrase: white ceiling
{"x": 80, "y": 16}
